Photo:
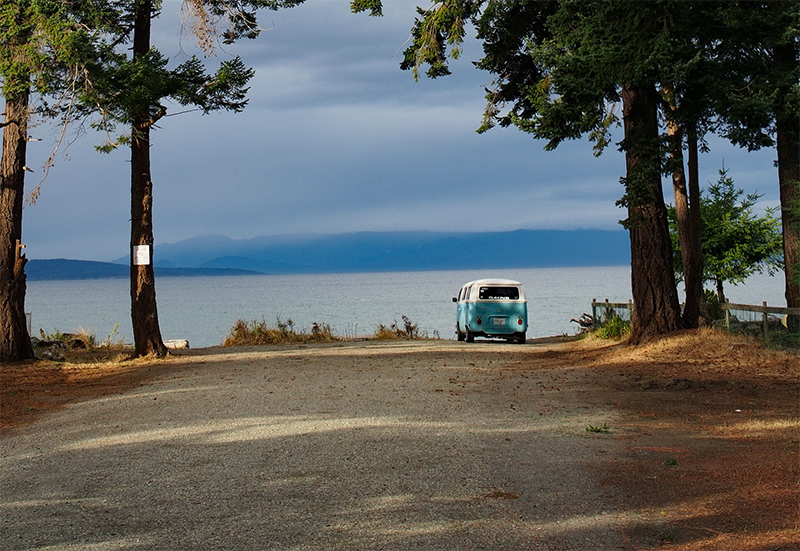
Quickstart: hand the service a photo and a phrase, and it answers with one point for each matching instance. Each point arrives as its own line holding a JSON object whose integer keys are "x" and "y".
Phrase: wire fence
{"x": 773, "y": 324}
{"x": 603, "y": 312}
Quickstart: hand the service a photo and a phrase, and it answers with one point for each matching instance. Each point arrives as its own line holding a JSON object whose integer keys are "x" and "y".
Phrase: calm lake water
{"x": 203, "y": 309}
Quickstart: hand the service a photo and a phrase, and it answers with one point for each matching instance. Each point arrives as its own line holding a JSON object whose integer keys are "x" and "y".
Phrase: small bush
{"x": 383, "y": 333}
{"x": 322, "y": 332}
{"x": 259, "y": 332}
{"x": 712, "y": 306}
{"x": 83, "y": 339}
{"x": 409, "y": 331}
{"x": 87, "y": 337}
{"x": 613, "y": 328}
{"x": 79, "y": 347}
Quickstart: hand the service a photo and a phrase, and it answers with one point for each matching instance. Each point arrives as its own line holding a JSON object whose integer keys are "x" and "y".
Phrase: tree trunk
{"x": 15, "y": 343}
{"x": 655, "y": 296}
{"x": 687, "y": 233}
{"x": 693, "y": 256}
{"x": 787, "y": 131}
{"x": 695, "y": 220}
{"x": 144, "y": 312}
{"x": 789, "y": 177}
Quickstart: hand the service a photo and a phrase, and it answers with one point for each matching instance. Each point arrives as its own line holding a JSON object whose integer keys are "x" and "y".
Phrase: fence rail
{"x": 608, "y": 307}
{"x": 764, "y": 309}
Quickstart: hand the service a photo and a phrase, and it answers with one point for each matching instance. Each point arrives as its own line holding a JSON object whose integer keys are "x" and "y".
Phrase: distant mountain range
{"x": 61, "y": 268}
{"x": 361, "y": 252}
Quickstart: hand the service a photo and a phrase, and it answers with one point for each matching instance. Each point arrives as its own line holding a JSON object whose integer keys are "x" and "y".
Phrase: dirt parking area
{"x": 690, "y": 443}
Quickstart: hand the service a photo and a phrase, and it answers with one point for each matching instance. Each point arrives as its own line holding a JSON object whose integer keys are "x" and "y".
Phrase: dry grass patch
{"x": 261, "y": 333}
{"x": 709, "y": 352}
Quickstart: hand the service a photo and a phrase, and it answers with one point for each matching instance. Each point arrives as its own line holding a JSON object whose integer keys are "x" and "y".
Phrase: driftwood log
{"x": 585, "y": 321}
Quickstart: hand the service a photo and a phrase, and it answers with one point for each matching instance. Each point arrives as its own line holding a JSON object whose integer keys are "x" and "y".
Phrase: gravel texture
{"x": 432, "y": 445}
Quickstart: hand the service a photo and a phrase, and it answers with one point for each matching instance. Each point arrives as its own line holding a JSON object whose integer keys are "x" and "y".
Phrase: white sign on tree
{"x": 141, "y": 255}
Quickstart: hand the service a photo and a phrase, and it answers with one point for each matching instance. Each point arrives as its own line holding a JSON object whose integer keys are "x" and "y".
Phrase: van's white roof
{"x": 491, "y": 281}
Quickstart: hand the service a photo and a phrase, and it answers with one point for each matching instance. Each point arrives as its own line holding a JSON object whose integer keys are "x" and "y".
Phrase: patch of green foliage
{"x": 81, "y": 339}
{"x": 784, "y": 340}
{"x": 712, "y": 305}
{"x": 736, "y": 243}
{"x": 613, "y": 327}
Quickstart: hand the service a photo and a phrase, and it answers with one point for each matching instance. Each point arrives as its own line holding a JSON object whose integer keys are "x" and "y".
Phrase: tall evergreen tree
{"x": 619, "y": 45}
{"x": 131, "y": 91}
{"x": 686, "y": 78}
{"x": 762, "y": 106}
{"x": 736, "y": 243}
{"x": 45, "y": 48}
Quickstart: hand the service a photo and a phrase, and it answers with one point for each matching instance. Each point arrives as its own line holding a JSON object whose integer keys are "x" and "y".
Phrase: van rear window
{"x": 499, "y": 293}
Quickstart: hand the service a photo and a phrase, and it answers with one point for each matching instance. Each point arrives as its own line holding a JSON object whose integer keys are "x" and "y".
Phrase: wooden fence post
{"x": 726, "y": 306}
{"x": 766, "y": 323}
{"x": 594, "y": 313}
{"x": 630, "y": 313}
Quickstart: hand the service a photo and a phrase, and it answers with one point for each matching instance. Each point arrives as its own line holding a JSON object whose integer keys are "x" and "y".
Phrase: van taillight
{"x": 479, "y": 320}
{"x": 519, "y": 321}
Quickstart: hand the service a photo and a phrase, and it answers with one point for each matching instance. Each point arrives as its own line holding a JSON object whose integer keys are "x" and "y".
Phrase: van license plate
{"x": 499, "y": 321}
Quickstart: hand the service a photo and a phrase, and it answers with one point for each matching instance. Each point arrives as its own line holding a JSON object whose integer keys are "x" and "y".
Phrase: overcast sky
{"x": 336, "y": 138}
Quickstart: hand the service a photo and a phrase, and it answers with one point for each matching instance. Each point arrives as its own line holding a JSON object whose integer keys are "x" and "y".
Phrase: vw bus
{"x": 492, "y": 308}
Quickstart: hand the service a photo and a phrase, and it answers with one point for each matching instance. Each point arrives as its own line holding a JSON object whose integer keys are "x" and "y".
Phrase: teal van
{"x": 491, "y": 308}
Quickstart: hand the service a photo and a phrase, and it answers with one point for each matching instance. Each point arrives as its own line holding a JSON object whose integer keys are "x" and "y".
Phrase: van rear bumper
{"x": 512, "y": 336}
{"x": 490, "y": 334}
{"x": 498, "y": 325}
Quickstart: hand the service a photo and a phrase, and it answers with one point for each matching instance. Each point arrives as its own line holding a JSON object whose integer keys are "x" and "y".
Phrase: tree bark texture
{"x": 144, "y": 312}
{"x": 695, "y": 220}
{"x": 721, "y": 292}
{"x": 15, "y": 343}
{"x": 787, "y": 132}
{"x": 688, "y": 234}
{"x": 655, "y": 296}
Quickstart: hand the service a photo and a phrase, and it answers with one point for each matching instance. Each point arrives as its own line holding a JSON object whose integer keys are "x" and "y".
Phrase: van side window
{"x": 499, "y": 293}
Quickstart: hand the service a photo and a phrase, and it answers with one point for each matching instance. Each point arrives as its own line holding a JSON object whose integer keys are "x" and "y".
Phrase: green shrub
{"x": 712, "y": 306}
{"x": 81, "y": 339}
{"x": 613, "y": 328}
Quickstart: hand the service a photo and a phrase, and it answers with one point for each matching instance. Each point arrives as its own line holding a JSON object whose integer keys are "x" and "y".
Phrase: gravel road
{"x": 430, "y": 445}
